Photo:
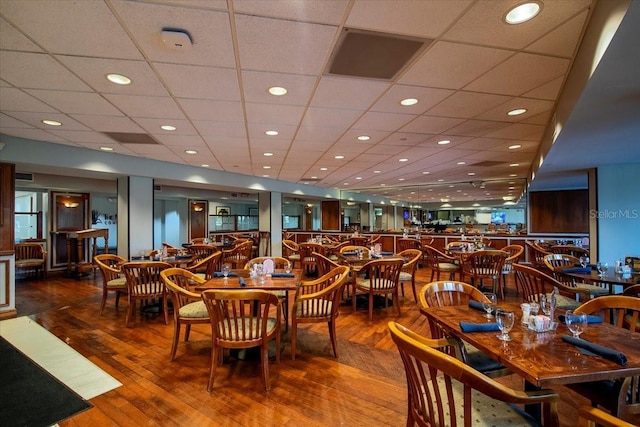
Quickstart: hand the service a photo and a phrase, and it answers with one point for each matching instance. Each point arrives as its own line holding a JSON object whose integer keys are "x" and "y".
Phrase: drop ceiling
{"x": 472, "y": 70}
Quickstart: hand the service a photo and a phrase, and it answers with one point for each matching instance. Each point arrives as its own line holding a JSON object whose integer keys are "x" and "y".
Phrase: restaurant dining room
{"x": 320, "y": 212}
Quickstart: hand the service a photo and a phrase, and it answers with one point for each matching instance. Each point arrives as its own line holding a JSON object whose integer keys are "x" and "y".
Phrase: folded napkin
{"x": 597, "y": 349}
{"x": 578, "y": 270}
{"x": 478, "y": 327}
{"x": 242, "y": 282}
{"x": 349, "y": 253}
{"x": 479, "y": 306}
{"x": 590, "y": 319}
{"x": 219, "y": 274}
{"x": 386, "y": 253}
{"x": 183, "y": 256}
{"x": 282, "y": 275}
{"x": 137, "y": 258}
{"x": 375, "y": 255}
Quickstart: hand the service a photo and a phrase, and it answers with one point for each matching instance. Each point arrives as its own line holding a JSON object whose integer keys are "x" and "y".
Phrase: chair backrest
{"x": 514, "y": 253}
{"x": 201, "y": 251}
{"x": 486, "y": 263}
{"x": 441, "y": 387}
{"x": 536, "y": 254}
{"x": 384, "y": 274}
{"x": 619, "y": 310}
{"x": 426, "y": 240}
{"x": 534, "y": 282}
{"x": 373, "y": 239}
{"x": 170, "y": 252}
{"x": 632, "y": 291}
{"x": 307, "y": 259}
{"x": 208, "y": 265}
{"x": 351, "y": 248}
{"x": 143, "y": 278}
{"x": 588, "y": 416}
{"x": 278, "y": 261}
{"x": 559, "y": 262}
{"x": 264, "y": 242}
{"x": 109, "y": 265}
{"x": 325, "y": 264}
{"x": 572, "y": 250}
{"x": 198, "y": 240}
{"x": 448, "y": 292}
{"x": 359, "y": 241}
{"x": 240, "y": 252}
{"x": 321, "y": 296}
{"x": 434, "y": 257}
{"x": 457, "y": 244}
{"x": 408, "y": 243}
{"x": 289, "y": 247}
{"x": 239, "y": 316}
{"x": 180, "y": 284}
{"x": 411, "y": 257}
{"x": 29, "y": 251}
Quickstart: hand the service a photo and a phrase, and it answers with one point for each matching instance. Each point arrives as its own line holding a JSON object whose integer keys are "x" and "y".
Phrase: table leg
{"x": 535, "y": 410}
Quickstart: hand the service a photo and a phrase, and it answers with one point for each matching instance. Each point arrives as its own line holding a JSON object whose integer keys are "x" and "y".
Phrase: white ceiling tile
{"x": 285, "y": 132}
{"x": 219, "y": 131}
{"x": 330, "y": 118}
{"x": 256, "y": 85}
{"x": 83, "y": 137}
{"x": 37, "y": 71}
{"x": 35, "y": 119}
{"x": 518, "y": 131}
{"x": 416, "y": 18}
{"x": 427, "y": 98}
{"x": 533, "y": 106}
{"x": 476, "y": 127}
{"x": 283, "y": 46}
{"x": 209, "y": 31}
{"x": 467, "y": 105}
{"x": 348, "y": 93}
{"x": 185, "y": 142}
{"x": 76, "y": 102}
{"x": 12, "y": 39}
{"x": 36, "y": 134}
{"x": 153, "y": 126}
{"x": 12, "y": 99}
{"x": 146, "y": 106}
{"x": 9, "y": 122}
{"x": 563, "y": 40}
{"x": 387, "y": 150}
{"x": 101, "y": 33}
{"x": 431, "y": 125}
{"x": 223, "y": 111}
{"x": 271, "y": 114}
{"x": 548, "y": 91}
{"x": 325, "y": 12}
{"x": 382, "y": 121}
{"x": 519, "y": 74}
{"x": 189, "y": 81}
{"x": 108, "y": 123}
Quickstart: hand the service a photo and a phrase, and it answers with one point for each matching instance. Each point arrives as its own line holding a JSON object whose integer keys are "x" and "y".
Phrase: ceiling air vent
{"x": 488, "y": 164}
{"x": 157, "y": 187}
{"x": 24, "y": 176}
{"x": 373, "y": 55}
{"x": 131, "y": 138}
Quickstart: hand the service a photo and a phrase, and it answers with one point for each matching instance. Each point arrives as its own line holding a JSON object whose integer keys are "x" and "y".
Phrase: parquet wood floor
{"x": 364, "y": 386}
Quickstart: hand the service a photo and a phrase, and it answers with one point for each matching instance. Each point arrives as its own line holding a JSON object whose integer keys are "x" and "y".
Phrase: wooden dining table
{"x": 610, "y": 279}
{"x": 270, "y": 283}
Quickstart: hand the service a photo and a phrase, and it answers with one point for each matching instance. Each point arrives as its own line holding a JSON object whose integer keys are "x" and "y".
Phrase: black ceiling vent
{"x": 131, "y": 138}
{"x": 24, "y": 176}
{"x": 373, "y": 55}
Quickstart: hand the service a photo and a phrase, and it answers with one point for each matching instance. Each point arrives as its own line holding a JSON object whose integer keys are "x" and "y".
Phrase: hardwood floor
{"x": 364, "y": 386}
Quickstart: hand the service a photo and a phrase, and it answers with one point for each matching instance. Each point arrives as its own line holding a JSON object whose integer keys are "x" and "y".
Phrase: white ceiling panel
{"x": 431, "y": 125}
{"x": 146, "y": 106}
{"x": 467, "y": 105}
{"x": 272, "y": 114}
{"x": 10, "y": 122}
{"x": 324, "y": 12}
{"x": 76, "y": 102}
{"x": 153, "y": 126}
{"x": 12, "y": 99}
{"x": 256, "y": 85}
{"x": 187, "y": 81}
{"x": 12, "y": 39}
{"x": 221, "y": 111}
{"x": 108, "y": 123}
{"x": 37, "y": 71}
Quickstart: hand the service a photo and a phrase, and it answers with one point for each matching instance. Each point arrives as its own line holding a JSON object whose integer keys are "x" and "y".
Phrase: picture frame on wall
{"x": 223, "y": 210}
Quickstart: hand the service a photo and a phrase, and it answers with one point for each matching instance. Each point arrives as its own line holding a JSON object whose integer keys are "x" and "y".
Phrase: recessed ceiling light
{"x": 277, "y": 91}
{"x": 515, "y": 147}
{"x": 364, "y": 137}
{"x": 471, "y": 173}
{"x": 517, "y": 112}
{"x": 514, "y": 164}
{"x": 266, "y": 167}
{"x": 522, "y": 13}
{"x": 272, "y": 132}
{"x": 314, "y": 177}
{"x": 168, "y": 127}
{"x": 205, "y": 165}
{"x": 440, "y": 180}
{"x": 426, "y": 173}
{"x": 119, "y": 79}
{"x": 444, "y": 142}
{"x": 476, "y": 204}
{"x": 376, "y": 171}
{"x": 462, "y": 163}
{"x": 268, "y": 154}
{"x": 52, "y": 122}
{"x": 338, "y": 157}
{"x": 358, "y": 177}
{"x": 403, "y": 160}
{"x": 409, "y": 101}
{"x": 267, "y": 176}
{"x": 400, "y": 179}
{"x": 191, "y": 152}
{"x": 513, "y": 174}
{"x": 346, "y": 183}
{"x": 383, "y": 185}
{"x": 324, "y": 169}
{"x": 106, "y": 148}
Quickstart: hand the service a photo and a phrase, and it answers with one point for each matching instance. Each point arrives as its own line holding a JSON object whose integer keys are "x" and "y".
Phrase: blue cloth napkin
{"x": 348, "y": 253}
{"x": 242, "y": 282}
{"x": 597, "y": 349}
{"x": 386, "y": 253}
{"x": 282, "y": 275}
{"x": 478, "y": 327}
{"x": 590, "y": 319}
{"x": 375, "y": 255}
{"x": 478, "y": 306}
{"x": 578, "y": 270}
{"x": 219, "y": 274}
{"x": 183, "y": 256}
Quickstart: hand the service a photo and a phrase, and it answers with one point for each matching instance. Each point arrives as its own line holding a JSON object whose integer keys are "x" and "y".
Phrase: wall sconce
{"x": 198, "y": 208}
{"x": 309, "y": 211}
{"x": 71, "y": 204}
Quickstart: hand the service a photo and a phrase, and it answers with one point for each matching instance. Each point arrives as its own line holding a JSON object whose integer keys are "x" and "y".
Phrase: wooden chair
{"x": 199, "y": 240}
{"x": 455, "y": 245}
{"x": 325, "y": 264}
{"x": 445, "y": 293}
{"x": 264, "y": 241}
{"x": 359, "y": 241}
{"x": 201, "y": 251}
{"x": 240, "y": 319}
{"x": 373, "y": 239}
{"x": 352, "y": 248}
{"x": 620, "y": 396}
{"x": 442, "y": 390}
{"x": 31, "y": 257}
{"x": 408, "y": 243}
{"x": 536, "y": 255}
{"x": 632, "y": 291}
{"x": 533, "y": 283}
{"x": 485, "y": 264}
{"x": 112, "y": 278}
{"x": 144, "y": 283}
{"x": 291, "y": 251}
{"x": 238, "y": 256}
{"x": 205, "y": 268}
{"x": 382, "y": 278}
{"x": 279, "y": 263}
{"x": 317, "y": 301}
{"x": 557, "y": 263}
{"x": 572, "y": 250}
{"x": 188, "y": 307}
{"x": 408, "y": 271}
{"x": 170, "y": 252}
{"x": 514, "y": 252}
{"x": 592, "y": 417}
{"x": 307, "y": 260}
{"x": 439, "y": 263}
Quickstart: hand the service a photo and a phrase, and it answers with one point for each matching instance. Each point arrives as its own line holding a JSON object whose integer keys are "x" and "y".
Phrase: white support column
{"x": 135, "y": 215}
{"x": 270, "y": 212}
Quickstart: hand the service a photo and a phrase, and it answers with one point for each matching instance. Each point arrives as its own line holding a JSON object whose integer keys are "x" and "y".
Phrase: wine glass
{"x": 225, "y": 270}
{"x": 576, "y": 322}
{"x": 505, "y": 320}
{"x": 584, "y": 261}
{"x": 602, "y": 268}
{"x": 287, "y": 268}
{"x": 489, "y": 304}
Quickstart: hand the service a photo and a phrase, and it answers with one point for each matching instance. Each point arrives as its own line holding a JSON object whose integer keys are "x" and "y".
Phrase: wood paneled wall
{"x": 331, "y": 215}
{"x": 564, "y": 211}
{"x": 7, "y": 206}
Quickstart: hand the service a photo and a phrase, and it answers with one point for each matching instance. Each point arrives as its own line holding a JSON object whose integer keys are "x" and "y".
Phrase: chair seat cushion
{"x": 280, "y": 294}
{"x": 30, "y": 262}
{"x": 593, "y": 289}
{"x": 566, "y": 303}
{"x": 405, "y": 277}
{"x": 381, "y": 284}
{"x": 447, "y": 266}
{"x": 250, "y": 329}
{"x": 294, "y": 257}
{"x": 485, "y": 410}
{"x": 314, "y": 308}
{"x": 120, "y": 282}
{"x": 194, "y": 310}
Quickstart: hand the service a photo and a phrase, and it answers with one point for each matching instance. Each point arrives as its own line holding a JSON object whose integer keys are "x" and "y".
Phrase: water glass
{"x": 505, "y": 320}
{"x": 287, "y": 268}
{"x": 489, "y": 304}
{"x": 602, "y": 268}
{"x": 225, "y": 270}
{"x": 576, "y": 322}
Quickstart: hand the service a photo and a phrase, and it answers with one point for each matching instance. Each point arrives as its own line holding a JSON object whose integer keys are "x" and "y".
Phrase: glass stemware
{"x": 489, "y": 304}
{"x": 287, "y": 268}
{"x": 576, "y": 322}
{"x": 225, "y": 270}
{"x": 602, "y": 268}
{"x": 505, "y": 320}
{"x": 584, "y": 261}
